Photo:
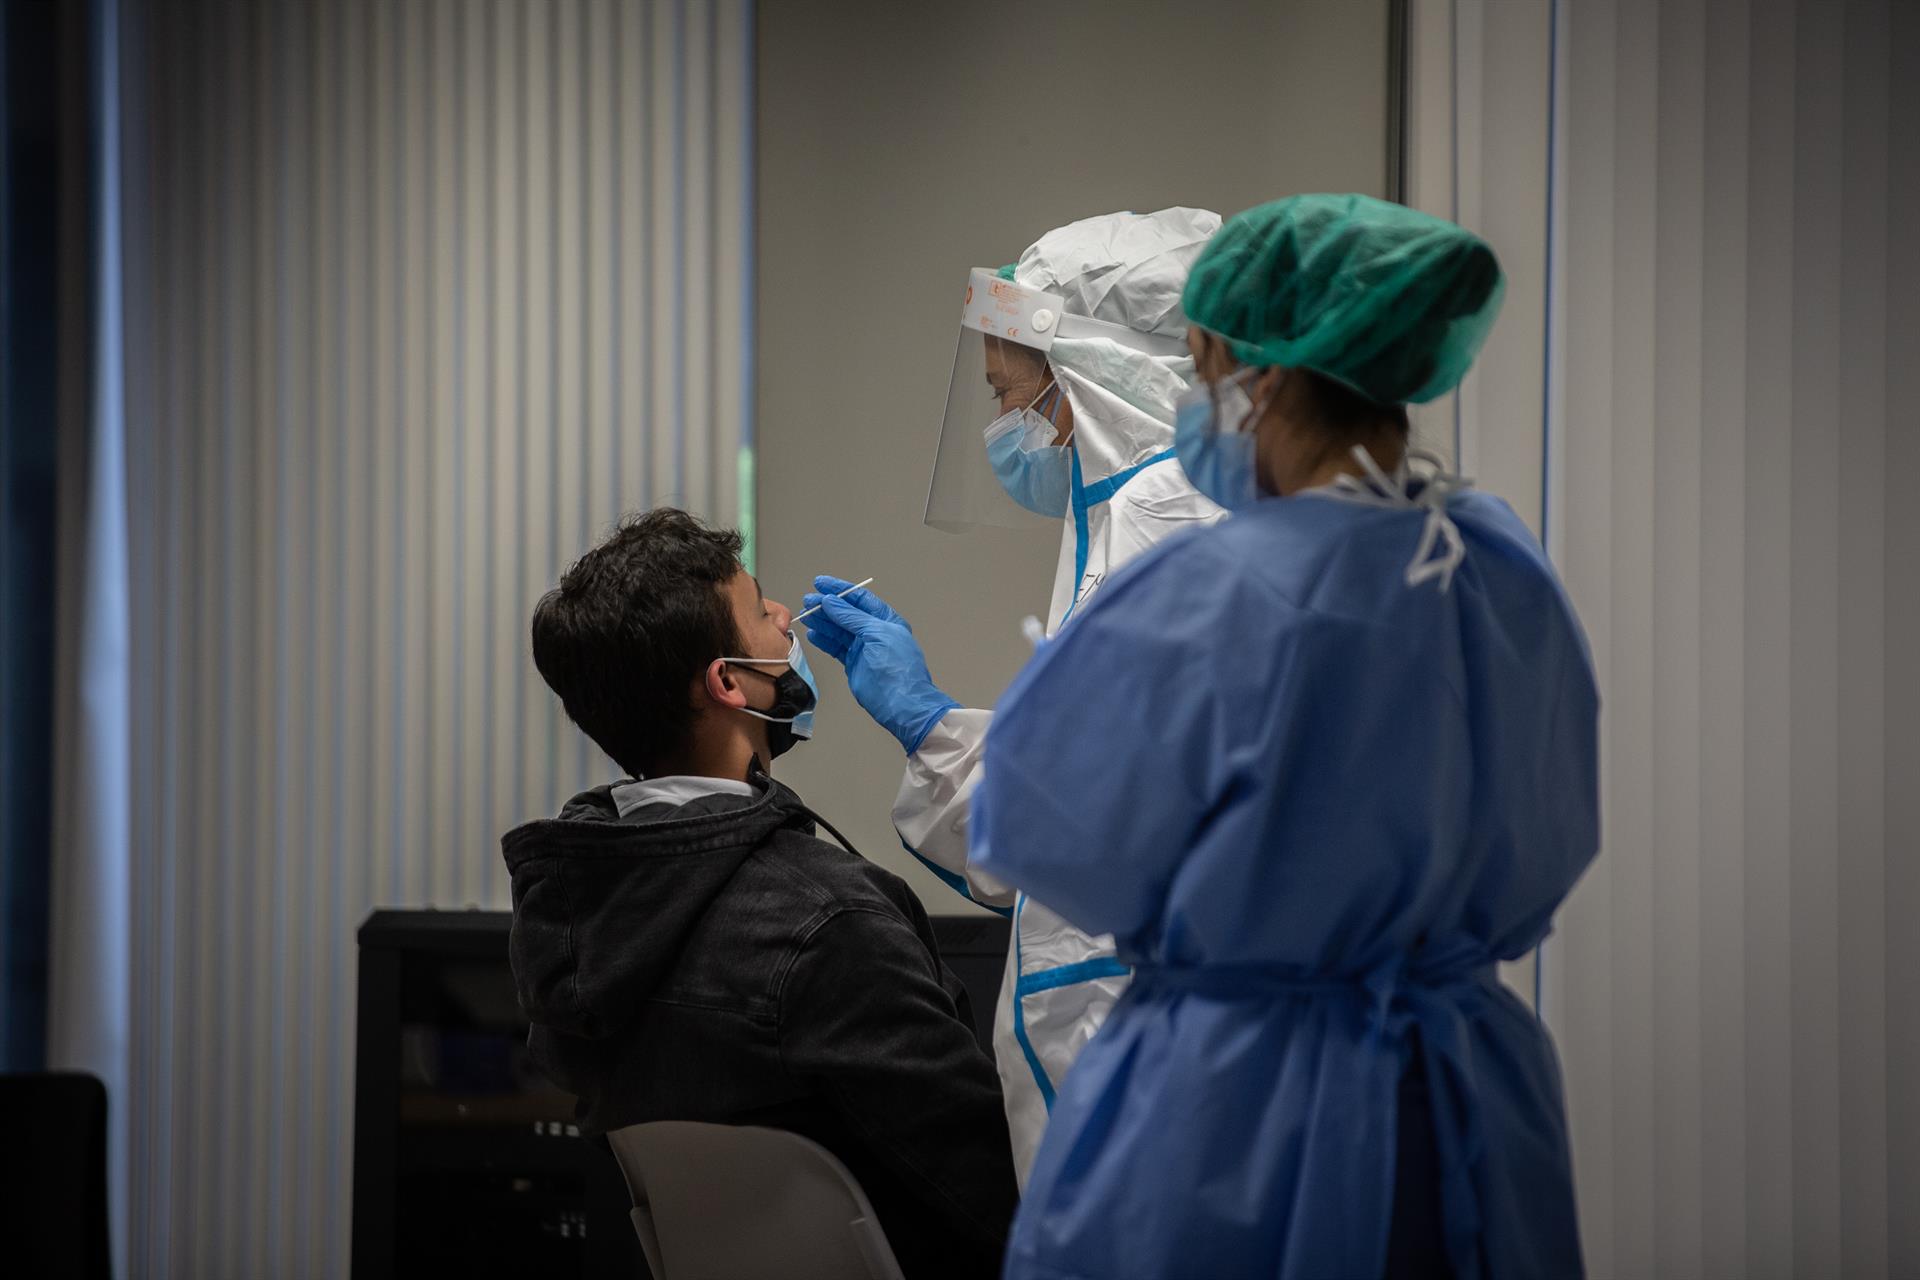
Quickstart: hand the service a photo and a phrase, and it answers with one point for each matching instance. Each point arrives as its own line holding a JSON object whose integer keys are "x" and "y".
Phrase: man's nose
{"x": 782, "y": 616}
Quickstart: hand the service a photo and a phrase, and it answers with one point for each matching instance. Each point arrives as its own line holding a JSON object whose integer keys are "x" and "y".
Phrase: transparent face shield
{"x": 989, "y": 450}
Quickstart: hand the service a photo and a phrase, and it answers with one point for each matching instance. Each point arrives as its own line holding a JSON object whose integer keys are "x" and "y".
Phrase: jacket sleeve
{"x": 865, "y": 1017}
{"x": 930, "y": 812}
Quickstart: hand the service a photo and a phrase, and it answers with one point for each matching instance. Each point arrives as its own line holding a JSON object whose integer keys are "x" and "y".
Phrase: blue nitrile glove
{"x": 885, "y": 668}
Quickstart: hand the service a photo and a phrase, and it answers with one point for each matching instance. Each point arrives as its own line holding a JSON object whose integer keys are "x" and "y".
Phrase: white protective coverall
{"x": 1129, "y": 493}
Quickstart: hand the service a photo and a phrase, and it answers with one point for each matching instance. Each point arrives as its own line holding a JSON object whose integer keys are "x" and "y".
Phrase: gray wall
{"x": 900, "y": 145}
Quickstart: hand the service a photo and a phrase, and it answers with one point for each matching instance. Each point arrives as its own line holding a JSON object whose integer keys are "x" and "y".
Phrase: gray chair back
{"x": 730, "y": 1202}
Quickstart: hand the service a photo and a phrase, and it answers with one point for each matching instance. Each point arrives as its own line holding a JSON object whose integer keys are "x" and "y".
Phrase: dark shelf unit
{"x": 465, "y": 1162}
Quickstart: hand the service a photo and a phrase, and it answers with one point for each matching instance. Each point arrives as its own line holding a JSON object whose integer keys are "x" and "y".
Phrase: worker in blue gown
{"x": 1318, "y": 769}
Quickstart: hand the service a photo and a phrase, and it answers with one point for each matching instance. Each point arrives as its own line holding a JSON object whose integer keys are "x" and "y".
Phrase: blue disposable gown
{"x": 1315, "y": 805}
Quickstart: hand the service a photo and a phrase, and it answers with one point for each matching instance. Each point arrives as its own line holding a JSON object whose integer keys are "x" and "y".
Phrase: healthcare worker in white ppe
{"x": 1060, "y": 409}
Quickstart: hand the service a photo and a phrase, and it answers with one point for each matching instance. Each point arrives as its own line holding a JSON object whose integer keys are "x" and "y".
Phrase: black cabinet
{"x": 466, "y": 1162}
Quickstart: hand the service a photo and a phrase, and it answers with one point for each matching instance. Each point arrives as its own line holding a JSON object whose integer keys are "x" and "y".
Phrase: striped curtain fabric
{"x": 1723, "y": 196}
{"x": 1741, "y": 1033}
{"x": 421, "y": 295}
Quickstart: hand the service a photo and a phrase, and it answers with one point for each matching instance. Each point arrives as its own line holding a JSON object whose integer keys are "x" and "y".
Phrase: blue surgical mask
{"x": 795, "y": 695}
{"x": 1035, "y": 472}
{"x": 1215, "y": 444}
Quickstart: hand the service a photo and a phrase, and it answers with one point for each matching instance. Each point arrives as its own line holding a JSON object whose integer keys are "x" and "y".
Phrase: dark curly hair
{"x": 631, "y": 625}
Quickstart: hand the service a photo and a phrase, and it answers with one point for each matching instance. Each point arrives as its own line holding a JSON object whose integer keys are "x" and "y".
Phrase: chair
{"x": 56, "y": 1202}
{"x": 727, "y": 1202}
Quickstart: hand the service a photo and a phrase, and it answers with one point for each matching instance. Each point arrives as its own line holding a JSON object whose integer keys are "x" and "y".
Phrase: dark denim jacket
{"x": 717, "y": 961}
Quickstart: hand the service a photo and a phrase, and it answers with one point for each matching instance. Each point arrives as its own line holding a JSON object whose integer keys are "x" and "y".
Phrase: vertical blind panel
{"x": 1731, "y": 327}
{"x": 1479, "y": 158}
{"x": 1728, "y": 995}
{"x": 1768, "y": 1059}
{"x": 1585, "y": 947}
{"x": 1676, "y": 545}
{"x": 1812, "y": 575}
{"x": 1629, "y": 776}
{"x": 1500, "y": 436}
{"x": 1724, "y": 401}
{"x": 1898, "y": 60}
{"x": 422, "y": 297}
{"x": 1860, "y": 407}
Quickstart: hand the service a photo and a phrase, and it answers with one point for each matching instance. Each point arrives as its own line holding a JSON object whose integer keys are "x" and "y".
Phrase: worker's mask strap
{"x": 1235, "y": 410}
{"x": 1441, "y": 547}
{"x": 1050, "y": 396}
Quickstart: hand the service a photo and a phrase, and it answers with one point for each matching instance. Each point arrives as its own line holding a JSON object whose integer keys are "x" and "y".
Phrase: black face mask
{"x": 792, "y": 699}
{"x": 790, "y": 718}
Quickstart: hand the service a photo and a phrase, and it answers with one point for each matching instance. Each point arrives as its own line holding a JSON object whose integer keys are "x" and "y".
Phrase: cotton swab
{"x": 836, "y": 595}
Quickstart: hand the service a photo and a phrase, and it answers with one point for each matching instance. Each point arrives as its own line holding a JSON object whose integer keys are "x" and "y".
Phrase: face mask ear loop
{"x": 1389, "y": 487}
{"x": 1252, "y": 421}
{"x": 758, "y": 714}
{"x": 1052, "y": 388}
{"x": 1213, "y": 394}
{"x": 793, "y": 642}
{"x": 1255, "y": 412}
{"x": 1050, "y": 415}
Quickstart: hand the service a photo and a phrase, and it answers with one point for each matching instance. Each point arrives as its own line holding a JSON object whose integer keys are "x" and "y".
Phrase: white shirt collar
{"x": 675, "y": 789}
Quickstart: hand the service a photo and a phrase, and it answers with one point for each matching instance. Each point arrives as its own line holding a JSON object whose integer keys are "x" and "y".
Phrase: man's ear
{"x": 721, "y": 684}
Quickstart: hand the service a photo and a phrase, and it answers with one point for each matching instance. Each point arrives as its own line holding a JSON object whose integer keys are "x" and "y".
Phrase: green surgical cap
{"x": 1392, "y": 302}
{"x": 1006, "y": 272}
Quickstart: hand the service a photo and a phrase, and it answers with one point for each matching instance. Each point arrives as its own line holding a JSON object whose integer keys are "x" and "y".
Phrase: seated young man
{"x": 686, "y": 946}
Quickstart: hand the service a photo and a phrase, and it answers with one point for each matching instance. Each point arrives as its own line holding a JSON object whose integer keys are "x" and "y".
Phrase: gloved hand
{"x": 885, "y": 668}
